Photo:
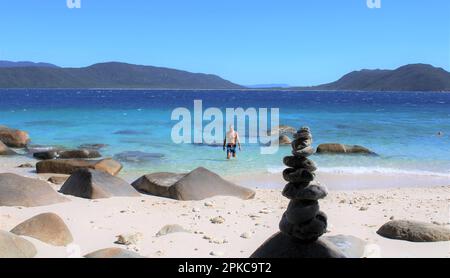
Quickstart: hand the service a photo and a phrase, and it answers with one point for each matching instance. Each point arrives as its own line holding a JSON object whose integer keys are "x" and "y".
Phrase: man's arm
{"x": 238, "y": 141}
{"x": 224, "y": 143}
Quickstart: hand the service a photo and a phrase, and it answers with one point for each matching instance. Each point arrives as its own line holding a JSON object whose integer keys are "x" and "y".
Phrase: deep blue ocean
{"x": 402, "y": 127}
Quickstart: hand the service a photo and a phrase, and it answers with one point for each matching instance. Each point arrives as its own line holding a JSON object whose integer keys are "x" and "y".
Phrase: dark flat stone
{"x": 308, "y": 151}
{"x": 298, "y": 175}
{"x": 300, "y": 211}
{"x": 313, "y": 191}
{"x": 285, "y": 247}
{"x": 300, "y": 162}
{"x": 308, "y": 231}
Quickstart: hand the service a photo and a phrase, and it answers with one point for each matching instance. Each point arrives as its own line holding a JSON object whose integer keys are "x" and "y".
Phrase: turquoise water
{"x": 401, "y": 127}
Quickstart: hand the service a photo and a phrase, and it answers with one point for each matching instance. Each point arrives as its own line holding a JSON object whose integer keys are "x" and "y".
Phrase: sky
{"x": 295, "y": 42}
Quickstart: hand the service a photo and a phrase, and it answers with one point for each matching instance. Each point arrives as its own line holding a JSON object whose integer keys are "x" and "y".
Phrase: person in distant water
{"x": 230, "y": 141}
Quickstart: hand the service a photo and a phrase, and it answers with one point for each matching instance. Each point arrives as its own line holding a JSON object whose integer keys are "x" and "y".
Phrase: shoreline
{"x": 335, "y": 180}
{"x": 357, "y": 212}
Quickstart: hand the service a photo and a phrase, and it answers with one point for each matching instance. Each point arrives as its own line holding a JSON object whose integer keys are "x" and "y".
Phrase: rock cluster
{"x": 303, "y": 220}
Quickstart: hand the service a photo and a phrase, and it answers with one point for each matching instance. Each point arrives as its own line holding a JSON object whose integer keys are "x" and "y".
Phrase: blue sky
{"x": 298, "y": 42}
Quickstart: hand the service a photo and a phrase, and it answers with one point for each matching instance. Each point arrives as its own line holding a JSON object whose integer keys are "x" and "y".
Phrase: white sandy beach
{"x": 357, "y": 212}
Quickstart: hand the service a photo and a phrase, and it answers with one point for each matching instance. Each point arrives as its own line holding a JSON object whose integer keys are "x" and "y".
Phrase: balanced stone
{"x": 300, "y": 162}
{"x": 305, "y": 152}
{"x": 308, "y": 231}
{"x": 303, "y": 223}
{"x": 298, "y": 175}
{"x": 300, "y": 211}
{"x": 298, "y": 144}
{"x": 312, "y": 191}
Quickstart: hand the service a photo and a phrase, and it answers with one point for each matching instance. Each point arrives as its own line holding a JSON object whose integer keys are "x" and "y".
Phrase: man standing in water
{"x": 232, "y": 138}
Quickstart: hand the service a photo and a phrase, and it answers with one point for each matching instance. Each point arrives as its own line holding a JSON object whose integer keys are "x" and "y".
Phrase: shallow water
{"x": 401, "y": 127}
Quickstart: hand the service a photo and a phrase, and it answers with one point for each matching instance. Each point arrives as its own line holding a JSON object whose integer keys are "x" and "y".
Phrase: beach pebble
{"x": 208, "y": 204}
{"x": 218, "y": 241}
{"x": 217, "y": 220}
{"x": 169, "y": 229}
{"x": 128, "y": 239}
{"x": 265, "y": 211}
{"x": 195, "y": 210}
{"x": 216, "y": 253}
{"x": 246, "y": 235}
{"x": 363, "y": 208}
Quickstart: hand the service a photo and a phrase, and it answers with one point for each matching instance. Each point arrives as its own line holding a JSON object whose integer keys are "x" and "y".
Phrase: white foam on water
{"x": 275, "y": 169}
{"x": 381, "y": 170}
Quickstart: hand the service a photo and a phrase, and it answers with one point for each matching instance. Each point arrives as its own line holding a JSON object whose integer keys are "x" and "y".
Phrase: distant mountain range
{"x": 414, "y": 77}
{"x": 9, "y": 64}
{"x": 108, "y": 75}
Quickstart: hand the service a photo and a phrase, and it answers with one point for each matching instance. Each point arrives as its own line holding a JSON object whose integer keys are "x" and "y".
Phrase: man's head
{"x": 231, "y": 128}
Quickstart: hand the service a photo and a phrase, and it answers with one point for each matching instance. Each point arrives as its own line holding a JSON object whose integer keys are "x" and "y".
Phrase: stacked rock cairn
{"x": 303, "y": 220}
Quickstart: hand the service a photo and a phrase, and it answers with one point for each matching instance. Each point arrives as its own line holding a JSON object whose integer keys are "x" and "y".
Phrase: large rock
{"x": 67, "y": 154}
{"x": 68, "y": 166}
{"x": 12, "y": 246}
{"x": 343, "y": 149}
{"x": 4, "y": 150}
{"x": 414, "y": 231}
{"x": 92, "y": 184}
{"x": 197, "y": 185}
{"x": 113, "y": 253}
{"x": 283, "y": 246}
{"x": 46, "y": 227}
{"x": 14, "y": 138}
{"x": 157, "y": 184}
{"x": 20, "y": 191}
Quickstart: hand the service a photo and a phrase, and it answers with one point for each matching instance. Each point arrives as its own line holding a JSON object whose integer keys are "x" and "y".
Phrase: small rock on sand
{"x": 216, "y": 253}
{"x": 265, "y": 211}
{"x": 169, "y": 229}
{"x": 217, "y": 220}
{"x": 246, "y": 235}
{"x": 129, "y": 239}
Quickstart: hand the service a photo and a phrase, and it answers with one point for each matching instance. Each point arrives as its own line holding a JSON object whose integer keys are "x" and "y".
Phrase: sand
{"x": 359, "y": 212}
